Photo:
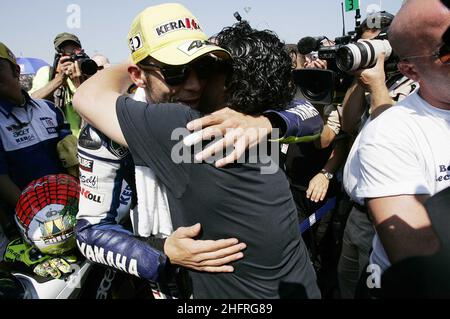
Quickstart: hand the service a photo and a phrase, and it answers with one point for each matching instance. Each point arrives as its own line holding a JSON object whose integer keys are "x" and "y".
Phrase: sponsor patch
{"x": 181, "y": 24}
{"x": 192, "y": 47}
{"x": 118, "y": 150}
{"x": 86, "y": 164}
{"x": 90, "y": 181}
{"x": 89, "y": 139}
{"x": 22, "y": 136}
{"x": 92, "y": 196}
{"x": 49, "y": 125}
{"x": 136, "y": 43}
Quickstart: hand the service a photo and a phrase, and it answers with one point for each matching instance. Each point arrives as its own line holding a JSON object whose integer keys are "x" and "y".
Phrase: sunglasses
{"x": 177, "y": 75}
{"x": 443, "y": 54}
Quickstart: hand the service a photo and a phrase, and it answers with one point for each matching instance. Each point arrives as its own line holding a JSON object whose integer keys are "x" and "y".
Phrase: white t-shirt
{"x": 404, "y": 151}
{"x": 401, "y": 89}
{"x": 352, "y": 170}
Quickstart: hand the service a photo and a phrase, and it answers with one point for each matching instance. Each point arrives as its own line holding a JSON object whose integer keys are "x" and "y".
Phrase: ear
{"x": 409, "y": 70}
{"x": 137, "y": 76}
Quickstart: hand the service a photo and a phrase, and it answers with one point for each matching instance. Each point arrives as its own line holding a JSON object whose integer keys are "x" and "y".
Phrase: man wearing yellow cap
{"x": 166, "y": 42}
{"x": 30, "y": 131}
{"x": 107, "y": 171}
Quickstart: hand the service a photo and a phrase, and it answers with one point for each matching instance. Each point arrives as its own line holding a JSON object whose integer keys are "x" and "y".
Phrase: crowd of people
{"x": 205, "y": 172}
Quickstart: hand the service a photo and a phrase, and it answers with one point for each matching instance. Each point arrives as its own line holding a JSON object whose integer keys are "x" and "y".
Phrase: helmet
{"x": 46, "y": 213}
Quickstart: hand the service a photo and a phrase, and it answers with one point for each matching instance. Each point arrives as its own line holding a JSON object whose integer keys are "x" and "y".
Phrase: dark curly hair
{"x": 261, "y": 76}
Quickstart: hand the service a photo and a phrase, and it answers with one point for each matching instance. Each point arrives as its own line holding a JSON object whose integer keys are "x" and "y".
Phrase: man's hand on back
{"x": 202, "y": 255}
{"x": 236, "y": 129}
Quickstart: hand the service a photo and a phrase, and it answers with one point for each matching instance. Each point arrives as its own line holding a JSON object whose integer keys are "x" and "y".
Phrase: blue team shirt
{"x": 29, "y": 135}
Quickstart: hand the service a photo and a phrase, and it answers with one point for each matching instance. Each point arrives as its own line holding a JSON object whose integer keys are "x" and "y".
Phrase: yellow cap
{"x": 171, "y": 34}
{"x": 6, "y": 54}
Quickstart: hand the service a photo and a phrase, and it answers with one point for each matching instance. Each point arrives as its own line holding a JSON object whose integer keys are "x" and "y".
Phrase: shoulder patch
{"x": 118, "y": 150}
{"x": 90, "y": 138}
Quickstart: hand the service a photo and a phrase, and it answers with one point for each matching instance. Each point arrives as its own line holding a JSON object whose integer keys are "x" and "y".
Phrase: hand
{"x": 371, "y": 78}
{"x": 316, "y": 64}
{"x": 238, "y": 130}
{"x": 75, "y": 74}
{"x": 202, "y": 255}
{"x": 62, "y": 70}
{"x": 63, "y": 65}
{"x": 318, "y": 188}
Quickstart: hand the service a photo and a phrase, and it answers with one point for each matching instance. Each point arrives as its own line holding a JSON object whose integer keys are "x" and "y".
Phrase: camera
{"x": 363, "y": 54}
{"x": 309, "y": 45}
{"x": 88, "y": 67}
{"x": 323, "y": 87}
{"x": 316, "y": 86}
{"x": 348, "y": 54}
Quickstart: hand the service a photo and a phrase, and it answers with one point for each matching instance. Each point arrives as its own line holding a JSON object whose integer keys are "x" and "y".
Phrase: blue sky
{"x": 28, "y": 27}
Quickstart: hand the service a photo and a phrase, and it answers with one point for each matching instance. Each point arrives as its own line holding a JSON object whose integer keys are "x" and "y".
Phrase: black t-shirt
{"x": 237, "y": 201}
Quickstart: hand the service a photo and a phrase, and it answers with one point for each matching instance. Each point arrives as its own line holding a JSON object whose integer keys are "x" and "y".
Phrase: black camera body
{"x": 330, "y": 52}
{"x": 324, "y": 87}
{"x": 88, "y": 66}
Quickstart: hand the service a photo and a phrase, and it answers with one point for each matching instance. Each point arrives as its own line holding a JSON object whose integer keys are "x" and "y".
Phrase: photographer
{"x": 71, "y": 68}
{"x": 373, "y": 91}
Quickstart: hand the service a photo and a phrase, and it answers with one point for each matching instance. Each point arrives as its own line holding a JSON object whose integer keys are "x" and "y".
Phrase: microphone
{"x": 309, "y": 44}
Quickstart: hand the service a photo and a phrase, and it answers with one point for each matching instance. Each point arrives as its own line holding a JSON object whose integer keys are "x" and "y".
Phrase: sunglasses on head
{"x": 443, "y": 54}
{"x": 177, "y": 75}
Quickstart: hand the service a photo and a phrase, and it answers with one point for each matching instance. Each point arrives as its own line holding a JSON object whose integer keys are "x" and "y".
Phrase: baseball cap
{"x": 171, "y": 34}
{"x": 64, "y": 37}
{"x": 6, "y": 54}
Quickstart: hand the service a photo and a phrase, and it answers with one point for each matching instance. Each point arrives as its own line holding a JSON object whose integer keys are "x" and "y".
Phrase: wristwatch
{"x": 327, "y": 174}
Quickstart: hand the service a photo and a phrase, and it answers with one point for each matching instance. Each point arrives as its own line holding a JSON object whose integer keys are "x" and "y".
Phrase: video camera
{"x": 323, "y": 86}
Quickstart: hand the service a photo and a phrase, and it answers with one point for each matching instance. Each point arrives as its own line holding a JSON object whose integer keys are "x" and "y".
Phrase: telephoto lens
{"x": 362, "y": 54}
{"x": 88, "y": 66}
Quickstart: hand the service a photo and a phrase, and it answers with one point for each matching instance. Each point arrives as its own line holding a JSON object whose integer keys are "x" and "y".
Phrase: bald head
{"x": 418, "y": 27}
